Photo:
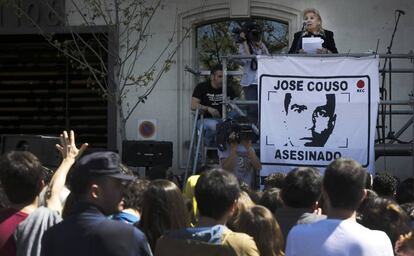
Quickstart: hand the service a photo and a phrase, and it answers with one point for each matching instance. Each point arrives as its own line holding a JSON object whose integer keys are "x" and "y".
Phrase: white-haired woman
{"x": 313, "y": 28}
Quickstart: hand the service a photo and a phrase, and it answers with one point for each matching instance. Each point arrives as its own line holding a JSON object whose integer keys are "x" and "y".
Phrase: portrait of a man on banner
{"x": 306, "y": 125}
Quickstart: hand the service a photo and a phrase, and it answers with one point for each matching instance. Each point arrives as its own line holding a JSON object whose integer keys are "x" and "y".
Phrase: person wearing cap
{"x": 97, "y": 185}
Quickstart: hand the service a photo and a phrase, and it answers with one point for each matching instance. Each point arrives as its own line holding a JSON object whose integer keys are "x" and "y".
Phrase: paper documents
{"x": 310, "y": 44}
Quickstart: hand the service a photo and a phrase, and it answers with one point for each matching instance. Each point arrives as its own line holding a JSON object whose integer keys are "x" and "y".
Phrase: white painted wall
{"x": 357, "y": 26}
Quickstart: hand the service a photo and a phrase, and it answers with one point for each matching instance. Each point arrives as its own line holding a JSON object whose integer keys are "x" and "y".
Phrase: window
{"x": 219, "y": 39}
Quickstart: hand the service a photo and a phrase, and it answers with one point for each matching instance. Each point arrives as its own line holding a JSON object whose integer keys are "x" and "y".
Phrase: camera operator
{"x": 250, "y": 40}
{"x": 240, "y": 158}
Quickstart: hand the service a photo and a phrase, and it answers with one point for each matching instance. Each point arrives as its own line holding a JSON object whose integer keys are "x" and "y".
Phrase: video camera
{"x": 252, "y": 31}
{"x": 242, "y": 130}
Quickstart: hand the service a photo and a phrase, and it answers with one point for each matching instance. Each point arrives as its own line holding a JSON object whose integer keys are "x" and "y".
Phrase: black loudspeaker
{"x": 44, "y": 147}
{"x": 142, "y": 153}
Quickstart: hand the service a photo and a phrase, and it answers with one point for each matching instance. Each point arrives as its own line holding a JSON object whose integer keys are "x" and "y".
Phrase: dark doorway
{"x": 42, "y": 92}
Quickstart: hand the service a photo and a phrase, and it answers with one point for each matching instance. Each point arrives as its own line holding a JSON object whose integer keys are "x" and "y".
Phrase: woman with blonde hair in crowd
{"x": 312, "y": 27}
{"x": 244, "y": 202}
{"x": 258, "y": 222}
{"x": 163, "y": 209}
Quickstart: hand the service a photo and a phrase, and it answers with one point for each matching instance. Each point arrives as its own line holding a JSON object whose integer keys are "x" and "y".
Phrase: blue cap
{"x": 102, "y": 164}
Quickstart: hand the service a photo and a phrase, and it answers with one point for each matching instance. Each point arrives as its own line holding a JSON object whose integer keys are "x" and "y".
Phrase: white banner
{"x": 315, "y": 109}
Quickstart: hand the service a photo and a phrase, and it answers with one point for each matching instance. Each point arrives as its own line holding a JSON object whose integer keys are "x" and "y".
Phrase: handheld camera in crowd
{"x": 252, "y": 31}
{"x": 243, "y": 130}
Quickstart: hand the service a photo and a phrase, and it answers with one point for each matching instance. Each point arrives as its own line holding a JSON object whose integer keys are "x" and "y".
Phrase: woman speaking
{"x": 312, "y": 27}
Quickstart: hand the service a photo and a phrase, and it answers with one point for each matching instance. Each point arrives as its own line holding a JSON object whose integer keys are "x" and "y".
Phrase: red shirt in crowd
{"x": 9, "y": 219}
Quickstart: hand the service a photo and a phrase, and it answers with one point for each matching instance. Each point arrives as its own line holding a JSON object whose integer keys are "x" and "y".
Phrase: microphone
{"x": 400, "y": 12}
{"x": 304, "y": 25}
{"x": 299, "y": 43}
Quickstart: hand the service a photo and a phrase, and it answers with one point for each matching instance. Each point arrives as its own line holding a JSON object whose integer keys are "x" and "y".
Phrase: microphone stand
{"x": 383, "y": 90}
{"x": 299, "y": 43}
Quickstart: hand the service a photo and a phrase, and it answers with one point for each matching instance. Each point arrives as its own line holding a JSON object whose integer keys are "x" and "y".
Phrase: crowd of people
{"x": 109, "y": 211}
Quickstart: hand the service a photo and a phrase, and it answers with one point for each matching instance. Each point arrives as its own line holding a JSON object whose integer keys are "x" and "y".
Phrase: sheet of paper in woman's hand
{"x": 311, "y": 44}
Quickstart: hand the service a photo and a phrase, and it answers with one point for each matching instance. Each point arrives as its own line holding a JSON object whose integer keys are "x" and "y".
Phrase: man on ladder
{"x": 208, "y": 97}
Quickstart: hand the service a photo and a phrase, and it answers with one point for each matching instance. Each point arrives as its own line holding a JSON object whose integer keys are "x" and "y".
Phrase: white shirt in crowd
{"x": 334, "y": 237}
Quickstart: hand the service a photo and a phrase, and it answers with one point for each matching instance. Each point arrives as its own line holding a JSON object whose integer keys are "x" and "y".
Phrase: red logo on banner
{"x": 360, "y": 84}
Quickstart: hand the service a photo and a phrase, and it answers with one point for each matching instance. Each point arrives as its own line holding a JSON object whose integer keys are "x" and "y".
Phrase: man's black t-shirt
{"x": 210, "y": 96}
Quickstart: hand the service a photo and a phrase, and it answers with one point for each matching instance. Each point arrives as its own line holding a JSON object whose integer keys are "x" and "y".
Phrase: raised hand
{"x": 68, "y": 147}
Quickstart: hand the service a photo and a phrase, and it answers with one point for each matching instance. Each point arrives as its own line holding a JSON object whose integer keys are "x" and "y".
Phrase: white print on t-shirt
{"x": 215, "y": 99}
